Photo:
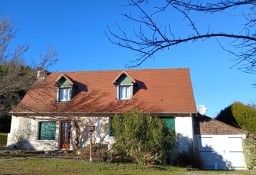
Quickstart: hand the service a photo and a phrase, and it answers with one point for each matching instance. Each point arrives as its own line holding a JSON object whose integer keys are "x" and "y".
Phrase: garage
{"x": 219, "y": 145}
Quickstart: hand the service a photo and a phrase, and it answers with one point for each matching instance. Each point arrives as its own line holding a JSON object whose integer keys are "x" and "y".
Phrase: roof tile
{"x": 155, "y": 91}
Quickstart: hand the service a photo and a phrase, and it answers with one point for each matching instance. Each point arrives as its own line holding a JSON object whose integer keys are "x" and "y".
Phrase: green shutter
{"x": 47, "y": 130}
{"x": 170, "y": 122}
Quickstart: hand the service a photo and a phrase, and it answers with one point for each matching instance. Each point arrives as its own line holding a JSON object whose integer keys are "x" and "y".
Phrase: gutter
{"x": 103, "y": 114}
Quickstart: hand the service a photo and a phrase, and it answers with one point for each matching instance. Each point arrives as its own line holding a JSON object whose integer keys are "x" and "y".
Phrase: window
{"x": 64, "y": 94}
{"x": 170, "y": 122}
{"x": 110, "y": 126}
{"x": 111, "y": 132}
{"x": 64, "y": 89}
{"x": 47, "y": 130}
{"x": 124, "y": 92}
{"x": 124, "y": 86}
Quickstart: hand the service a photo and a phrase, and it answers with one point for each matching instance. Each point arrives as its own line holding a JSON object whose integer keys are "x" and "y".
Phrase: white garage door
{"x": 221, "y": 151}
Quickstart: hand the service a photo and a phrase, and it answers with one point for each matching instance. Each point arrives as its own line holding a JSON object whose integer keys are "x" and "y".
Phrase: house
{"x": 56, "y": 112}
{"x": 44, "y": 119}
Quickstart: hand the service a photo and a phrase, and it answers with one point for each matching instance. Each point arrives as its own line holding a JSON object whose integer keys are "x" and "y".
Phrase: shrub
{"x": 189, "y": 158}
{"x": 249, "y": 147}
{"x": 99, "y": 152}
{"x": 239, "y": 115}
{"x": 142, "y": 138}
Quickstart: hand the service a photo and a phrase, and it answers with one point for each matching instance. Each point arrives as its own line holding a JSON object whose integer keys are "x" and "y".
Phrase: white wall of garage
{"x": 221, "y": 151}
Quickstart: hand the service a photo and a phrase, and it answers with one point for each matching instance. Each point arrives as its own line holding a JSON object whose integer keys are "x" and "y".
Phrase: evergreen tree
{"x": 239, "y": 115}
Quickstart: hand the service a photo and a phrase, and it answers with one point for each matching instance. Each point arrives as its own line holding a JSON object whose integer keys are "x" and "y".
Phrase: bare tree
{"x": 151, "y": 37}
{"x": 16, "y": 77}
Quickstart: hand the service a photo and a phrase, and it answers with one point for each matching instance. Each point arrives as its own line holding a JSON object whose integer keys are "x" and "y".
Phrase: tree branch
{"x": 150, "y": 38}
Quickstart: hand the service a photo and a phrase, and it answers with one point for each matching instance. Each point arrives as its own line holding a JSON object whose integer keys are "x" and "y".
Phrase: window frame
{"x": 110, "y": 132}
{"x": 60, "y": 89}
{"x": 125, "y": 92}
{"x": 39, "y": 137}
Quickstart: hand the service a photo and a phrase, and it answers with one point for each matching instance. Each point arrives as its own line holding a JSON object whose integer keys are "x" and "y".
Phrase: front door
{"x": 65, "y": 134}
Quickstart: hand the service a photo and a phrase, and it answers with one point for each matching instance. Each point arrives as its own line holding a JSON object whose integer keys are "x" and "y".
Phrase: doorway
{"x": 65, "y": 133}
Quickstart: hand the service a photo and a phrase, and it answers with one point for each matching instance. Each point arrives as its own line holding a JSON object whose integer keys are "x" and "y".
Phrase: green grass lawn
{"x": 3, "y": 138}
{"x": 12, "y": 165}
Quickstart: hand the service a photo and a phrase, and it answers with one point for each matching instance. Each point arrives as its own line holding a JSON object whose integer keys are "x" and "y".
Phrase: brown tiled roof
{"x": 207, "y": 126}
{"x": 155, "y": 91}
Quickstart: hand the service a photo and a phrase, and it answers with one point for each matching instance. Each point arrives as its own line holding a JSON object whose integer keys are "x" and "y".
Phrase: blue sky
{"x": 77, "y": 30}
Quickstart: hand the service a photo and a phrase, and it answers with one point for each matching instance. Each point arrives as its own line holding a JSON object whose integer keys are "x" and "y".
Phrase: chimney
{"x": 41, "y": 74}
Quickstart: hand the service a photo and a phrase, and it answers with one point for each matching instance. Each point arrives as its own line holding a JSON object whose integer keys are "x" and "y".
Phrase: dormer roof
{"x": 122, "y": 75}
{"x": 67, "y": 78}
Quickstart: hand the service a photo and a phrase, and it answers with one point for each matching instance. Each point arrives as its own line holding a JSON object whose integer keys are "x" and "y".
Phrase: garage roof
{"x": 208, "y": 126}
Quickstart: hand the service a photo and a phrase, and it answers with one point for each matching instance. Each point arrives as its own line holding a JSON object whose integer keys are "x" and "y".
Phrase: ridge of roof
{"x": 110, "y": 70}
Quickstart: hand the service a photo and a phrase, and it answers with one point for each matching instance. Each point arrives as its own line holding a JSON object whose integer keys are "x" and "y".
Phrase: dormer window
{"x": 125, "y": 92}
{"x": 64, "y": 89}
{"x": 64, "y": 94}
{"x": 124, "y": 86}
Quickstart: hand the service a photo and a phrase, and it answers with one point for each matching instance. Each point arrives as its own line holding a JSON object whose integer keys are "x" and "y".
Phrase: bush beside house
{"x": 249, "y": 146}
{"x": 143, "y": 138}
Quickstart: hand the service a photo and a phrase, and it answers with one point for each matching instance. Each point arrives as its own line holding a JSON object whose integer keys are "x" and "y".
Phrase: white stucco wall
{"x": 100, "y": 135}
{"x": 14, "y": 126}
{"x": 26, "y": 130}
{"x": 184, "y": 132}
{"x": 24, "y": 134}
